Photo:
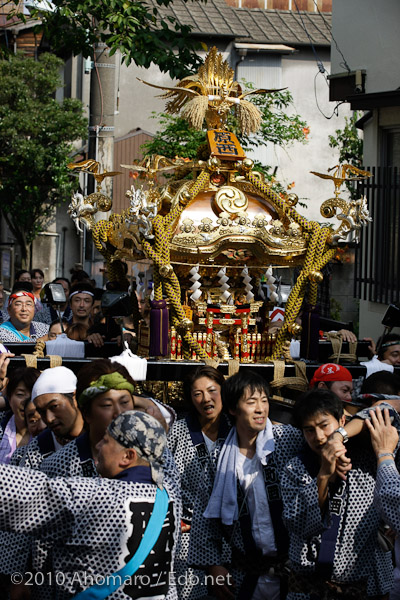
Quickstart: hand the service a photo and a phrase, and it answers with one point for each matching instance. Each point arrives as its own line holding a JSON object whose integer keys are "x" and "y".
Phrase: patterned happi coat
{"x": 341, "y": 544}
{"x": 72, "y": 460}
{"x": 208, "y": 535}
{"x": 76, "y": 460}
{"x": 387, "y": 494}
{"x": 37, "y": 330}
{"x": 95, "y": 526}
{"x": 15, "y": 549}
{"x": 36, "y": 451}
{"x": 196, "y": 468}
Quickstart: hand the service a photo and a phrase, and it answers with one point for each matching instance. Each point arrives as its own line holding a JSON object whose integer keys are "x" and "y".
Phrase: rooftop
{"x": 215, "y": 18}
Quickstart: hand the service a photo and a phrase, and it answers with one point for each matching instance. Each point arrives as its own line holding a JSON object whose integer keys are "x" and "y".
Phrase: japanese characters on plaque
{"x": 225, "y": 145}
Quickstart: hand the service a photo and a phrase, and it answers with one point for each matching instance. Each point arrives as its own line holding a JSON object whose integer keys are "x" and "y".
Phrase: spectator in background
{"x": 55, "y": 329}
{"x": 387, "y": 357}
{"x": 37, "y": 279}
{"x": 81, "y": 302}
{"x": 21, "y": 327}
{"x": 23, "y": 275}
{"x": 77, "y": 332}
{"x": 96, "y": 308}
{"x": 67, "y": 287}
{"x": 80, "y": 276}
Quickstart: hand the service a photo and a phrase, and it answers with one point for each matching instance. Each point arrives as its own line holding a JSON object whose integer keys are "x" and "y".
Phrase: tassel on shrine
{"x": 158, "y": 328}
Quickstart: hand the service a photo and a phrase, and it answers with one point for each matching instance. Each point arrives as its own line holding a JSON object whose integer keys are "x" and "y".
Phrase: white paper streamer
{"x": 270, "y": 279}
{"x": 247, "y": 285}
{"x": 196, "y": 295}
{"x": 223, "y": 279}
{"x": 195, "y": 287}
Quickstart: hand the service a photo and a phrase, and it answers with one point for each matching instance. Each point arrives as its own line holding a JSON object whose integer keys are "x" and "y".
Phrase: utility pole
{"x": 101, "y": 131}
{"x": 102, "y": 110}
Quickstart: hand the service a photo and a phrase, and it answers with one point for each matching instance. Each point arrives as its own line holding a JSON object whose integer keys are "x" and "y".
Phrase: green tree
{"x": 350, "y": 145}
{"x": 142, "y": 31}
{"x": 36, "y": 133}
{"x": 279, "y": 126}
{"x": 349, "y": 142}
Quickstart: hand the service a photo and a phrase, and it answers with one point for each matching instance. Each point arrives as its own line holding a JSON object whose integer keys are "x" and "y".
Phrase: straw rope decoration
{"x": 317, "y": 256}
{"x": 100, "y": 232}
{"x": 165, "y": 279}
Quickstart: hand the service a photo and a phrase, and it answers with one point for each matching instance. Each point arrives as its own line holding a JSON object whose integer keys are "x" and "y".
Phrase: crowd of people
{"x": 105, "y": 493}
{"x": 25, "y": 318}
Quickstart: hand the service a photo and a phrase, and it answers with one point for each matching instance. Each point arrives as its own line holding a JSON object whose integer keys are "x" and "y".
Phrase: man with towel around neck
{"x": 245, "y": 507}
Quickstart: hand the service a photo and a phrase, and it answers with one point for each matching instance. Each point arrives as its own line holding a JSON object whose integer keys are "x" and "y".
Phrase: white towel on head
{"x": 58, "y": 380}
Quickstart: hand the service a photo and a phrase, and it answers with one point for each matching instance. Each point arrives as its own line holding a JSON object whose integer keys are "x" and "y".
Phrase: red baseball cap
{"x": 330, "y": 372}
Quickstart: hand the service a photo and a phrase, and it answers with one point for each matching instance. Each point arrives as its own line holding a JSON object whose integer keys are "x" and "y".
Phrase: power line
{"x": 335, "y": 111}
{"x": 320, "y": 64}
{"x": 343, "y": 64}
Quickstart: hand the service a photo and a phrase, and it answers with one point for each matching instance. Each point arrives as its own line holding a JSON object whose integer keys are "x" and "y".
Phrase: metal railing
{"x": 377, "y": 259}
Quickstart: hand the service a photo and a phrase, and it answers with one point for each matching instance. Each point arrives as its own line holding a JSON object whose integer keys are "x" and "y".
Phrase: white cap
{"x": 58, "y": 380}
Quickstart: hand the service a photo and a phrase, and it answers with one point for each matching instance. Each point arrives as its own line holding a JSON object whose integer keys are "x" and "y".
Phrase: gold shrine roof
{"x": 233, "y": 225}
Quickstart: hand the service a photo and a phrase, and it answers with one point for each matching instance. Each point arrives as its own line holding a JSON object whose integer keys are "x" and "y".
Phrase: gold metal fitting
{"x": 104, "y": 203}
{"x": 247, "y": 164}
{"x": 294, "y": 329}
{"x": 184, "y": 197}
{"x": 185, "y": 326}
{"x": 315, "y": 276}
{"x": 214, "y": 163}
{"x": 166, "y": 271}
{"x": 292, "y": 199}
